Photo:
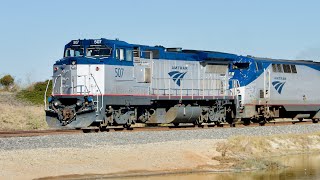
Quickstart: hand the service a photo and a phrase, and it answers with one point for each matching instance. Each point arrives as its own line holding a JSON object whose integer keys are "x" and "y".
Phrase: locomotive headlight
{"x": 89, "y": 99}
{"x": 56, "y": 103}
{"x": 73, "y": 62}
{"x": 50, "y": 99}
{"x": 79, "y": 103}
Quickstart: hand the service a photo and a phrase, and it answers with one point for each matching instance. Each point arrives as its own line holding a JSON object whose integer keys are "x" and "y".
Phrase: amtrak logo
{"x": 177, "y": 76}
{"x": 278, "y": 85}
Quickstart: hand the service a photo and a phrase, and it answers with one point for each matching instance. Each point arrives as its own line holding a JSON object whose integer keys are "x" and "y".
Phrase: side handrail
{"x": 99, "y": 92}
{"x": 55, "y": 81}
{"x": 52, "y": 92}
{"x": 45, "y": 95}
{"x": 85, "y": 85}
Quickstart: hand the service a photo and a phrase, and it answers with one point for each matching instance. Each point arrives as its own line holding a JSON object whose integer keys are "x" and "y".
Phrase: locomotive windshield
{"x": 240, "y": 65}
{"x": 99, "y": 51}
{"x": 73, "y": 52}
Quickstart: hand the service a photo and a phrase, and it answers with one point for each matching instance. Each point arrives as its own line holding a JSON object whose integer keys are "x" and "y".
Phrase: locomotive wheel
{"x": 90, "y": 130}
{"x": 315, "y": 120}
{"x": 86, "y": 130}
{"x": 127, "y": 125}
{"x": 246, "y": 122}
{"x": 262, "y": 123}
{"x": 103, "y": 128}
{"x": 231, "y": 122}
{"x": 218, "y": 124}
{"x": 198, "y": 123}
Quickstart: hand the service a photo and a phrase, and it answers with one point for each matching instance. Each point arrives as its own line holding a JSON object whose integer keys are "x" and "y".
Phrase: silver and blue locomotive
{"x": 102, "y": 82}
{"x": 266, "y": 89}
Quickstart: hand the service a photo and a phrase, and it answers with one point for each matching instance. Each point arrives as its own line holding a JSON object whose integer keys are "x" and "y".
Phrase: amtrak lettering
{"x": 280, "y": 78}
{"x": 179, "y": 68}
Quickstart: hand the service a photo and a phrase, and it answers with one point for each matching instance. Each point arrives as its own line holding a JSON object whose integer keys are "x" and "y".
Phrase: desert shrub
{"x": 7, "y": 81}
{"x": 35, "y": 92}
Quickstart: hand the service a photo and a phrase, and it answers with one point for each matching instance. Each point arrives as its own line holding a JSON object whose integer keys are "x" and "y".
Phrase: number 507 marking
{"x": 119, "y": 72}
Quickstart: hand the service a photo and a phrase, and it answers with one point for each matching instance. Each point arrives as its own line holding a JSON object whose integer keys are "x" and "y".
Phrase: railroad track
{"x": 7, "y": 134}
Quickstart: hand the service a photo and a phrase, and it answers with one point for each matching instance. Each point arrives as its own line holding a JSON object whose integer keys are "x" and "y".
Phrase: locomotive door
{"x": 235, "y": 92}
{"x": 266, "y": 84}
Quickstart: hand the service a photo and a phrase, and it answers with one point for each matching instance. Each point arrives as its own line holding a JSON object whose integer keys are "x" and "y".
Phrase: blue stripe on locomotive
{"x": 163, "y": 55}
{"x": 246, "y": 76}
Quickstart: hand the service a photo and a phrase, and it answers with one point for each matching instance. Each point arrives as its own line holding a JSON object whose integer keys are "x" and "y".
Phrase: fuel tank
{"x": 183, "y": 114}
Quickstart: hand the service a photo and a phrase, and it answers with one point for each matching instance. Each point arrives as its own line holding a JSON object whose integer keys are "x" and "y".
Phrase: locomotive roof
{"x": 201, "y": 54}
{"x": 285, "y": 60}
{"x": 166, "y": 53}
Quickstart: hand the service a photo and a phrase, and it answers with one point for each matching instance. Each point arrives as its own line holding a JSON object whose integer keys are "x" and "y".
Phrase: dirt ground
{"x": 173, "y": 156}
{"x": 168, "y": 156}
{"x": 236, "y": 153}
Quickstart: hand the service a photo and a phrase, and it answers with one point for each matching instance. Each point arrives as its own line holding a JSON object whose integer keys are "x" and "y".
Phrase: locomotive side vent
{"x": 219, "y": 69}
{"x": 143, "y": 74}
{"x": 261, "y": 93}
{"x": 147, "y": 75}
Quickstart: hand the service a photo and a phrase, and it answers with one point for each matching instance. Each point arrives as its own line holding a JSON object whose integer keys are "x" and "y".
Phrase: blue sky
{"x": 34, "y": 32}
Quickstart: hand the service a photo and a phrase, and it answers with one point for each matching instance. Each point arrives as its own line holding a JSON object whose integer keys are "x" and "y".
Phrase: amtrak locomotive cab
{"x": 103, "y": 82}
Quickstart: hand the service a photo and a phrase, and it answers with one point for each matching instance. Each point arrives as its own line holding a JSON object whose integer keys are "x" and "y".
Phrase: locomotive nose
{"x": 70, "y": 60}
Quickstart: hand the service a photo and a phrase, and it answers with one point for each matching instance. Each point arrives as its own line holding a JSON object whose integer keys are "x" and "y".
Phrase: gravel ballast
{"x": 145, "y": 137}
{"x": 120, "y": 153}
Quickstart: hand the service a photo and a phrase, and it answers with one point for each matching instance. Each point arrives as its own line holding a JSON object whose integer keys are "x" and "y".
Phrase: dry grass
{"x": 252, "y": 152}
{"x": 257, "y": 164}
{"x": 259, "y": 146}
{"x": 17, "y": 115}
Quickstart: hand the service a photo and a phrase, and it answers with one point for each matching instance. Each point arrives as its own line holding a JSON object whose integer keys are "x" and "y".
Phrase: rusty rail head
{"x": 7, "y": 134}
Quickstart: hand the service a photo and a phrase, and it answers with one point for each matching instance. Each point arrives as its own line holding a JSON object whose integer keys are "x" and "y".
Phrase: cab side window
{"x": 124, "y": 54}
{"x": 120, "y": 54}
{"x": 129, "y": 55}
{"x": 117, "y": 54}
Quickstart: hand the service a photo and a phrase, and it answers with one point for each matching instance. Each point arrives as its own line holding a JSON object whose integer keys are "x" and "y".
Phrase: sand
{"x": 121, "y": 159}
